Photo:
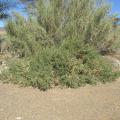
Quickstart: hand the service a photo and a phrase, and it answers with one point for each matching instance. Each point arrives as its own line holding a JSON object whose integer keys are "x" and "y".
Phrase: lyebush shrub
{"x": 51, "y": 67}
{"x": 60, "y": 46}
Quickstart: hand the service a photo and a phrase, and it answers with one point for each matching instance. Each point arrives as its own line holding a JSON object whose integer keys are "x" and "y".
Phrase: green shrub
{"x": 60, "y": 46}
{"x": 51, "y": 67}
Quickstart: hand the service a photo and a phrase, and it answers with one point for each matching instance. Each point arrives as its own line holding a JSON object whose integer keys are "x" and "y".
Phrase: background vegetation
{"x": 60, "y": 44}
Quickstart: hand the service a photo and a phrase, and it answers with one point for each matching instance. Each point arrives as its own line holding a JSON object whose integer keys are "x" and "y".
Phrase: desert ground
{"x": 101, "y": 102}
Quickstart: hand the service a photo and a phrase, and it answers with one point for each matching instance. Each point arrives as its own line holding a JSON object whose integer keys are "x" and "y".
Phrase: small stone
{"x": 18, "y": 118}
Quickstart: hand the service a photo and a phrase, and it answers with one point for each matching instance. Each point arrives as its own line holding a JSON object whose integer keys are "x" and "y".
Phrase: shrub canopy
{"x": 59, "y": 44}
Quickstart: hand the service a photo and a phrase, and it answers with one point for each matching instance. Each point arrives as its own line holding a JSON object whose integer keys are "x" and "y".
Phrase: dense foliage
{"x": 59, "y": 45}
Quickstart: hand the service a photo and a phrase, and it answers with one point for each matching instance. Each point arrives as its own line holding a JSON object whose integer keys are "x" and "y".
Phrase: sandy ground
{"x": 101, "y": 102}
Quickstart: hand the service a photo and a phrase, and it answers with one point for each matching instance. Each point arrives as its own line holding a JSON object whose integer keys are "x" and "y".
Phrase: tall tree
{"x": 4, "y": 6}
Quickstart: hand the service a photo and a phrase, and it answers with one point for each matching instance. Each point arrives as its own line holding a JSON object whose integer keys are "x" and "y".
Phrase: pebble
{"x": 18, "y": 118}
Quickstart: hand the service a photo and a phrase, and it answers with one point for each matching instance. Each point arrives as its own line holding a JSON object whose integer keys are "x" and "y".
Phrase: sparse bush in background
{"x": 60, "y": 45}
{"x": 4, "y": 44}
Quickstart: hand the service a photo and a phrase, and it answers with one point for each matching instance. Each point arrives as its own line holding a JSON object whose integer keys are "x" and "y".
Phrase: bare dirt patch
{"x": 100, "y": 102}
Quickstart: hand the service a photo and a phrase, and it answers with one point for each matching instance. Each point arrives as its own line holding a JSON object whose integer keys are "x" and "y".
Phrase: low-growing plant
{"x": 51, "y": 67}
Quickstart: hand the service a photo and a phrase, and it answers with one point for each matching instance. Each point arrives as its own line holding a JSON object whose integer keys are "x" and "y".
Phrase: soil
{"x": 101, "y": 102}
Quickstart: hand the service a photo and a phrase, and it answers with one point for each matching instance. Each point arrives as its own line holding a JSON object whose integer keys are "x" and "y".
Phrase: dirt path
{"x": 100, "y": 102}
